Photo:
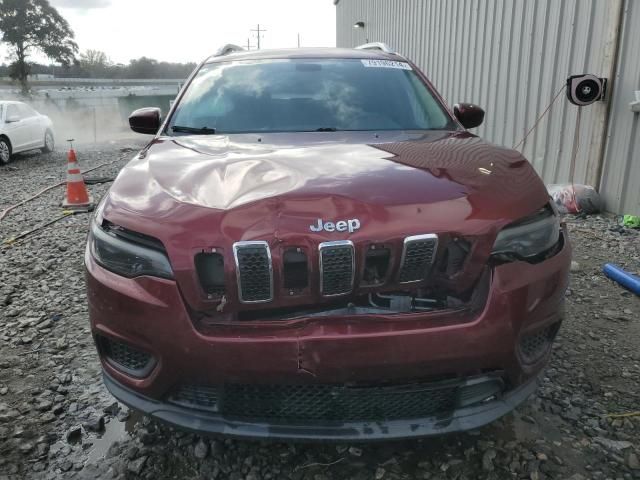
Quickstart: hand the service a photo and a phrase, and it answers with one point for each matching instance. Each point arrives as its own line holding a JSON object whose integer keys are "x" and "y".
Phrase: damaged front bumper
{"x": 523, "y": 308}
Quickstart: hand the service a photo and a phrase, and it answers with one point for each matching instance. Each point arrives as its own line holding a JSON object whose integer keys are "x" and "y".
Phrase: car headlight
{"x": 528, "y": 237}
{"x": 127, "y": 253}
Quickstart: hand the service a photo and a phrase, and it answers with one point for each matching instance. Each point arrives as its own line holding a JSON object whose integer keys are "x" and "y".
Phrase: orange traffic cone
{"x": 77, "y": 197}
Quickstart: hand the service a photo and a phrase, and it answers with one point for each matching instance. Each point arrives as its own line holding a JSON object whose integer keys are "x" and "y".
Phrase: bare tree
{"x": 95, "y": 62}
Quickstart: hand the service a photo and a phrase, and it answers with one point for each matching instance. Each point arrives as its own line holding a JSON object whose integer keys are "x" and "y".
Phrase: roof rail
{"x": 227, "y": 49}
{"x": 376, "y": 46}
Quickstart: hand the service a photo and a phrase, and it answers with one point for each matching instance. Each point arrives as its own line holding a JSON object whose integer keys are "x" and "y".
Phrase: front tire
{"x": 49, "y": 142}
{"x": 5, "y": 151}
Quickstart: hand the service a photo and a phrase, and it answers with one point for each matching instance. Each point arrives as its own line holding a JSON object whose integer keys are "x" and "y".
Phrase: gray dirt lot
{"x": 57, "y": 420}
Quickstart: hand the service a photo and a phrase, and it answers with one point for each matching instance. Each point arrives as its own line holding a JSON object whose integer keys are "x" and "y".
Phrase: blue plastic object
{"x": 625, "y": 279}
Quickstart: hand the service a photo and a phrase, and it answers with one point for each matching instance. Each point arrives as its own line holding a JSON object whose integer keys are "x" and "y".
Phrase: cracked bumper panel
{"x": 458, "y": 420}
{"x": 149, "y": 313}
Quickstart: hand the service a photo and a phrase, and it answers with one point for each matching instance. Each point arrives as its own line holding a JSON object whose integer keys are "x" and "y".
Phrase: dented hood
{"x": 199, "y": 193}
{"x": 224, "y": 173}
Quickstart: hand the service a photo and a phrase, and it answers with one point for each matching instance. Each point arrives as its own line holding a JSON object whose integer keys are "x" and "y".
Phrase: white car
{"x": 21, "y": 129}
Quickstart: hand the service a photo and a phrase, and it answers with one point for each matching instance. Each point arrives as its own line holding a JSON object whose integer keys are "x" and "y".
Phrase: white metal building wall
{"x": 511, "y": 57}
{"x": 621, "y": 170}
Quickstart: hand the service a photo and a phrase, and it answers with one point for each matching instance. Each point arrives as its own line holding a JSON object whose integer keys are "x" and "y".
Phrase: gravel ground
{"x": 57, "y": 420}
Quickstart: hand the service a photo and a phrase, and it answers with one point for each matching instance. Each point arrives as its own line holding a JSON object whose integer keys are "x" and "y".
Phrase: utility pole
{"x": 258, "y": 30}
{"x": 248, "y": 45}
{"x": 298, "y": 40}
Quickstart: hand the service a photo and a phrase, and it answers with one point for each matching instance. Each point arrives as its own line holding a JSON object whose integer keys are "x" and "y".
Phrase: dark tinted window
{"x": 307, "y": 95}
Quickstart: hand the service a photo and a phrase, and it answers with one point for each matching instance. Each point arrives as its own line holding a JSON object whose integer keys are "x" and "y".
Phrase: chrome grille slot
{"x": 254, "y": 271}
{"x": 417, "y": 256}
{"x": 337, "y": 265}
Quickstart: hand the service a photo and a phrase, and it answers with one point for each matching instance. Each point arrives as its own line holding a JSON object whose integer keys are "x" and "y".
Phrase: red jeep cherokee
{"x": 313, "y": 247}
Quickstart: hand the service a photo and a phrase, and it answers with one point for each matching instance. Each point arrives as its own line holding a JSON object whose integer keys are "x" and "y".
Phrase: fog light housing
{"x": 124, "y": 357}
{"x": 535, "y": 345}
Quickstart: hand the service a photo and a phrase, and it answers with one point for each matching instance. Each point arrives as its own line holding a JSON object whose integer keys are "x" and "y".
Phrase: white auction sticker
{"x": 386, "y": 64}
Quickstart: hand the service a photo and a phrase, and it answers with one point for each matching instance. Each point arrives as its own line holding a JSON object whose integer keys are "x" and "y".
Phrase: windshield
{"x": 307, "y": 95}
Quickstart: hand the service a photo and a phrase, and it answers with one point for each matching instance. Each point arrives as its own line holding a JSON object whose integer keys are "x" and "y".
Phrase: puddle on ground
{"x": 114, "y": 431}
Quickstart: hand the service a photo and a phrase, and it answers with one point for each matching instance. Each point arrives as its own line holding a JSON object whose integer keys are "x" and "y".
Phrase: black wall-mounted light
{"x": 358, "y": 25}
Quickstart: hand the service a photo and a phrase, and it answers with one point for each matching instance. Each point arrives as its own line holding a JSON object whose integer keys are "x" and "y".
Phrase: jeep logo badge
{"x": 340, "y": 226}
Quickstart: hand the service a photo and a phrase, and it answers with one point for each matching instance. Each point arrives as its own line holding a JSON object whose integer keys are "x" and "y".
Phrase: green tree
{"x": 29, "y": 26}
{"x": 143, "y": 67}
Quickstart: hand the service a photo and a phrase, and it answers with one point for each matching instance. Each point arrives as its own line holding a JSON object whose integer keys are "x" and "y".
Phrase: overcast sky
{"x": 189, "y": 30}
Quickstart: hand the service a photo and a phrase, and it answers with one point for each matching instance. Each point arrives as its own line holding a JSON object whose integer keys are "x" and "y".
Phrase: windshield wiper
{"x": 326, "y": 129}
{"x": 200, "y": 130}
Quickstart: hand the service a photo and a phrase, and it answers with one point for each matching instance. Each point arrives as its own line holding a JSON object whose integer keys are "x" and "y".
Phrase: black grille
{"x": 417, "y": 256}
{"x": 196, "y": 396}
{"x": 336, "y": 267}
{"x": 322, "y": 403}
{"x": 535, "y": 345}
{"x": 126, "y": 357}
{"x": 255, "y": 281}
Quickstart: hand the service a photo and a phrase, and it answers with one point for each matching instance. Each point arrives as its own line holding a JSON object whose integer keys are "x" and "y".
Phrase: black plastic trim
{"x": 459, "y": 420}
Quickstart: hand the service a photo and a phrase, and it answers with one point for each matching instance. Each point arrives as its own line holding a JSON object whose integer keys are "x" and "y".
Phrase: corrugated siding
{"x": 510, "y": 57}
{"x": 621, "y": 173}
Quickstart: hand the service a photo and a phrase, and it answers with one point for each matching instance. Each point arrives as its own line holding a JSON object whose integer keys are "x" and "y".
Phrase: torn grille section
{"x": 417, "y": 256}
{"x": 210, "y": 269}
{"x": 295, "y": 269}
{"x": 376, "y": 265}
{"x": 254, "y": 271}
{"x": 337, "y": 265}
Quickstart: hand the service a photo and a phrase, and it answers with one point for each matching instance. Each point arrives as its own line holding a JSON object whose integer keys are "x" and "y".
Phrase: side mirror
{"x": 145, "y": 120}
{"x": 469, "y": 115}
{"x": 12, "y": 119}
